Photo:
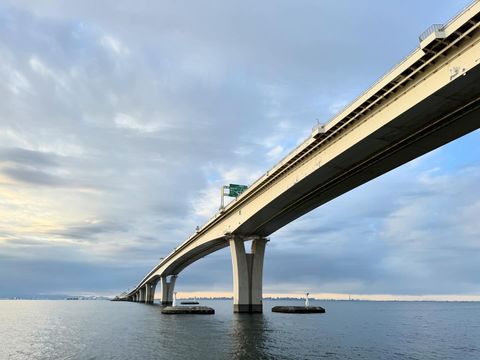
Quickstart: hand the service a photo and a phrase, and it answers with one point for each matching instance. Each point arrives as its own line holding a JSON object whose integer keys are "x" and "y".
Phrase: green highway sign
{"x": 234, "y": 189}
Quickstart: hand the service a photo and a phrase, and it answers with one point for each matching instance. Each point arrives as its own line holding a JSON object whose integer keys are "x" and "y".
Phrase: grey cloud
{"x": 27, "y": 157}
{"x": 91, "y": 231}
{"x": 60, "y": 276}
{"x": 34, "y": 176}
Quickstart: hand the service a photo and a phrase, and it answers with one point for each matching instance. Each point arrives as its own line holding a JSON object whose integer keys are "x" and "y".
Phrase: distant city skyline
{"x": 314, "y": 296}
{"x": 120, "y": 122}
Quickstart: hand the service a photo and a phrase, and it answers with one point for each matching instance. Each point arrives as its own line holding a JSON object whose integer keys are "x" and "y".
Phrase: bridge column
{"x": 154, "y": 287}
{"x": 167, "y": 290}
{"x": 150, "y": 292}
{"x": 247, "y": 275}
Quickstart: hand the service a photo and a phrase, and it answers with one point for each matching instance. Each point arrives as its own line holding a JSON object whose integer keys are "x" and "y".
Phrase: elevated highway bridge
{"x": 429, "y": 99}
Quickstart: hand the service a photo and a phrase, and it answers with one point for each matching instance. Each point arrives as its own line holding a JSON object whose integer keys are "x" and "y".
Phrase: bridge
{"x": 429, "y": 99}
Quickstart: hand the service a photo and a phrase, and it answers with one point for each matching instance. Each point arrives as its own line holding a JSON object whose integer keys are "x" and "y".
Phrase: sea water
{"x": 348, "y": 330}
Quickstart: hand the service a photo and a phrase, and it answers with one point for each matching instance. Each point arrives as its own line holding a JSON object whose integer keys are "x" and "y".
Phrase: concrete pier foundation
{"x": 247, "y": 275}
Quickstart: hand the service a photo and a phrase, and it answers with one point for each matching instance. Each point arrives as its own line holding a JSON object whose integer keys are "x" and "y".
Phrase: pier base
{"x": 204, "y": 310}
{"x": 299, "y": 309}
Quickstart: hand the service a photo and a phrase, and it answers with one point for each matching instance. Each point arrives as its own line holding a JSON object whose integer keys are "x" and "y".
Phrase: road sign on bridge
{"x": 234, "y": 190}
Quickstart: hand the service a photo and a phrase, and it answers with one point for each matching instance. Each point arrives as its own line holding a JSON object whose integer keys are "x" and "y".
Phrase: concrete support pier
{"x": 150, "y": 292}
{"x": 247, "y": 275}
{"x": 167, "y": 290}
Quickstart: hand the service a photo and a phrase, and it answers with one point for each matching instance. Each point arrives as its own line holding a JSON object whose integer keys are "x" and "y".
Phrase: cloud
{"x": 92, "y": 229}
{"x": 126, "y": 121}
{"x": 27, "y": 157}
{"x": 18, "y": 83}
{"x": 114, "y": 45}
{"x": 33, "y": 176}
{"x": 71, "y": 277}
{"x": 115, "y": 143}
{"x": 39, "y": 67}
{"x": 337, "y": 106}
{"x": 275, "y": 152}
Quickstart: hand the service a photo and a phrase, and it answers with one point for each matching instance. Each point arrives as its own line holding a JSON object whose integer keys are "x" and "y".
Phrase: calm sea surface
{"x": 349, "y": 330}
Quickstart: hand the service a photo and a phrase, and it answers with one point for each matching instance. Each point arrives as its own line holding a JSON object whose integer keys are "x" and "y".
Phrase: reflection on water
{"x": 38, "y": 330}
{"x": 250, "y": 336}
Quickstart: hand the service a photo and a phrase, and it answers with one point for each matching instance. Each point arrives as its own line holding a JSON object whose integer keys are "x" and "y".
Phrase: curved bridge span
{"x": 431, "y": 98}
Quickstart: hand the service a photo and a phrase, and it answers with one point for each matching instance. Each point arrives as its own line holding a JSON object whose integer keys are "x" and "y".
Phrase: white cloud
{"x": 126, "y": 121}
{"x": 207, "y": 202}
{"x": 275, "y": 152}
{"x": 335, "y": 107}
{"x": 114, "y": 45}
{"x": 18, "y": 83}
{"x": 64, "y": 148}
{"x": 39, "y": 67}
{"x": 42, "y": 69}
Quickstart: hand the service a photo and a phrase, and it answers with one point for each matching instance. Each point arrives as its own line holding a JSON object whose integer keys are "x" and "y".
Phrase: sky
{"x": 120, "y": 121}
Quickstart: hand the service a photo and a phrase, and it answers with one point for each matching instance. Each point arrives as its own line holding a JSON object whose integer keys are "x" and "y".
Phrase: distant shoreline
{"x": 230, "y": 299}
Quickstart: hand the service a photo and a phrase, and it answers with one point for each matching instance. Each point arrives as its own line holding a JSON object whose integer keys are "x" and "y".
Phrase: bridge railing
{"x": 392, "y": 69}
{"x": 464, "y": 10}
{"x": 378, "y": 81}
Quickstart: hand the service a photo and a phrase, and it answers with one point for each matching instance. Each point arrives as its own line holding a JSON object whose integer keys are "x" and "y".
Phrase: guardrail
{"x": 463, "y": 11}
{"x": 392, "y": 69}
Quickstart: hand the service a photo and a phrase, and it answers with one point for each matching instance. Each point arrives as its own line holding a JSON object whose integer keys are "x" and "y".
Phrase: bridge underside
{"x": 444, "y": 116}
{"x": 196, "y": 254}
